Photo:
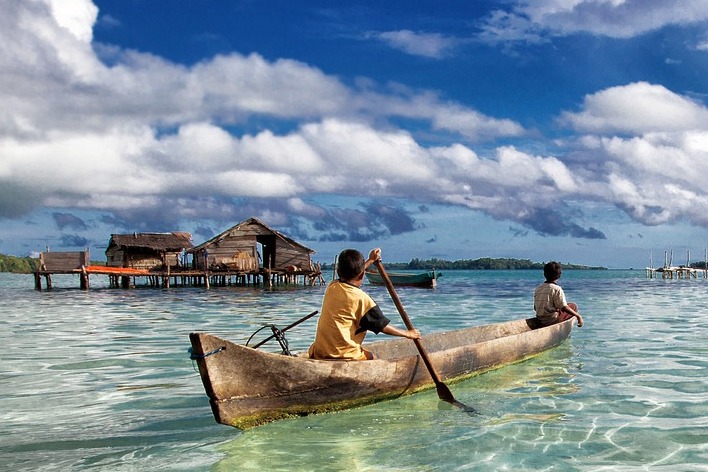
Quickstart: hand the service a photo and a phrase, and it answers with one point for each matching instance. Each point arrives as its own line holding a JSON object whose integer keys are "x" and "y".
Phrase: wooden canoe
{"x": 426, "y": 279}
{"x": 248, "y": 387}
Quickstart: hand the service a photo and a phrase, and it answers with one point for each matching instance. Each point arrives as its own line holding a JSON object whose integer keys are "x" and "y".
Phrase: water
{"x": 101, "y": 380}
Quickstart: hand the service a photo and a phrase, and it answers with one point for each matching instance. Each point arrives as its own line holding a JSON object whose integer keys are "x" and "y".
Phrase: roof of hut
{"x": 247, "y": 222}
{"x": 175, "y": 241}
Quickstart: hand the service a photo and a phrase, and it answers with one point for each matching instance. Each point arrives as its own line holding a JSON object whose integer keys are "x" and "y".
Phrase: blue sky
{"x": 572, "y": 130}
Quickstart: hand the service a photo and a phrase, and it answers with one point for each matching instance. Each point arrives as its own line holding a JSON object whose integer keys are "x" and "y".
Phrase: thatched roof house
{"x": 251, "y": 246}
{"x": 147, "y": 250}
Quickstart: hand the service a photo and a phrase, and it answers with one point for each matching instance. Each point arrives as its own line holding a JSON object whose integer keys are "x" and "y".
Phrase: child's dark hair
{"x": 552, "y": 271}
{"x": 350, "y": 264}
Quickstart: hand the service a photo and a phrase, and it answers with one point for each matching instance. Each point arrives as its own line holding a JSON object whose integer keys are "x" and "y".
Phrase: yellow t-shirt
{"x": 340, "y": 330}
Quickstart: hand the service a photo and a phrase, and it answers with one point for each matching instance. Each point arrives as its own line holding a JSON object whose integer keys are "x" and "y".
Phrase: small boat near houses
{"x": 427, "y": 279}
{"x": 248, "y": 387}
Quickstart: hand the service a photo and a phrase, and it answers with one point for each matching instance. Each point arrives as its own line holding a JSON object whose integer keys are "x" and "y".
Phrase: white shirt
{"x": 548, "y": 300}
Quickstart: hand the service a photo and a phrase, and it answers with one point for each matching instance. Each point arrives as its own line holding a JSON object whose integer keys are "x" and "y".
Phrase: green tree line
{"x": 18, "y": 265}
{"x": 484, "y": 263}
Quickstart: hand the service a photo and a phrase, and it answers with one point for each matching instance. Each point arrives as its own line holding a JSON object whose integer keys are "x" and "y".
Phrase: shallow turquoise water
{"x": 101, "y": 380}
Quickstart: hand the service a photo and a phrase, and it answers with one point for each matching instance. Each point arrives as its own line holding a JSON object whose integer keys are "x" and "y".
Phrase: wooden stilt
{"x": 84, "y": 281}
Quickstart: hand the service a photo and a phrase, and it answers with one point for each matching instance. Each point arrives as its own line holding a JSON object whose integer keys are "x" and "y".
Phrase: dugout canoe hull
{"x": 427, "y": 279}
{"x": 248, "y": 387}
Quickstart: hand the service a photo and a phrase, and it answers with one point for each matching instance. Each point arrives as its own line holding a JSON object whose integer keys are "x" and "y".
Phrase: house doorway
{"x": 267, "y": 250}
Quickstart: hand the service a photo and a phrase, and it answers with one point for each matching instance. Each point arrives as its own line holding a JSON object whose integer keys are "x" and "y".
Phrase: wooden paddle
{"x": 444, "y": 392}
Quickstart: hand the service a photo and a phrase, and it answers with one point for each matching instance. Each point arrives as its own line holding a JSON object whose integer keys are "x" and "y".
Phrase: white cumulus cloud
{"x": 638, "y": 108}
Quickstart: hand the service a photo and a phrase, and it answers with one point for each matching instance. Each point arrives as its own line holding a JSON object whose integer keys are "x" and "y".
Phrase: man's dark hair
{"x": 552, "y": 271}
{"x": 350, "y": 264}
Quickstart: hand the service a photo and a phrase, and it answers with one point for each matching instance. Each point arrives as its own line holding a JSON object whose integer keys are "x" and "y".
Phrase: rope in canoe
{"x": 279, "y": 336}
{"x": 194, "y": 356}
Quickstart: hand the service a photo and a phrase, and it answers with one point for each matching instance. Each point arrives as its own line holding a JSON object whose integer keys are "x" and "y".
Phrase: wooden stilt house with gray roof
{"x": 252, "y": 246}
{"x": 149, "y": 251}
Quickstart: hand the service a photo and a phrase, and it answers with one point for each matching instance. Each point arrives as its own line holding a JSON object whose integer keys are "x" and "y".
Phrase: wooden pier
{"x": 676, "y": 273}
{"x": 669, "y": 271}
{"x": 77, "y": 263}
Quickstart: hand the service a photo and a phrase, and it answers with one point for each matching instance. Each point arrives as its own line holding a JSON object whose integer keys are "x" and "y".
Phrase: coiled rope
{"x": 279, "y": 336}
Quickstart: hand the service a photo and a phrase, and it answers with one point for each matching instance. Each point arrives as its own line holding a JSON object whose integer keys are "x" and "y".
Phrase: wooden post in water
{"x": 84, "y": 279}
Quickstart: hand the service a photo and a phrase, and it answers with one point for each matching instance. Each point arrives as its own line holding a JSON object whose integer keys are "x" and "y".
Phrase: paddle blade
{"x": 445, "y": 394}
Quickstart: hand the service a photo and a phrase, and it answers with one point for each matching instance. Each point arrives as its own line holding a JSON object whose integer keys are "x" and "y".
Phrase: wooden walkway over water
{"x": 676, "y": 273}
{"x": 669, "y": 271}
{"x": 77, "y": 263}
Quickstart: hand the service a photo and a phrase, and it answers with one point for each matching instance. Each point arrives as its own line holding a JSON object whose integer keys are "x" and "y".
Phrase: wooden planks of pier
{"x": 121, "y": 277}
{"x": 669, "y": 271}
{"x": 676, "y": 273}
{"x": 62, "y": 263}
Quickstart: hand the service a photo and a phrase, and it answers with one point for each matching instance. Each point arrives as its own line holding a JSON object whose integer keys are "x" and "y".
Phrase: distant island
{"x": 18, "y": 265}
{"x": 28, "y": 265}
{"x": 484, "y": 263}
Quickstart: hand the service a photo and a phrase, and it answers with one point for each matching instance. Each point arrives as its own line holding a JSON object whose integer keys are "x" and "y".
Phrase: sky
{"x": 569, "y": 130}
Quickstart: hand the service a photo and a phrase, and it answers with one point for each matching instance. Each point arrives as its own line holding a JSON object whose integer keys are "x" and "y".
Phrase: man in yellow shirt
{"x": 348, "y": 313}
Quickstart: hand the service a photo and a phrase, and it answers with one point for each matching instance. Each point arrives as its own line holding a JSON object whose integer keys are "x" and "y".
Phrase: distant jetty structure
{"x": 669, "y": 271}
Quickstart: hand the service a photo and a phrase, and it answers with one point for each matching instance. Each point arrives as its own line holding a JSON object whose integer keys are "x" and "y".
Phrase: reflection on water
{"x": 401, "y": 429}
{"x": 102, "y": 380}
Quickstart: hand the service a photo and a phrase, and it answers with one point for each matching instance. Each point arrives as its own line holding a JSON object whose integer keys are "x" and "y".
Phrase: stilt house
{"x": 147, "y": 250}
{"x": 251, "y": 246}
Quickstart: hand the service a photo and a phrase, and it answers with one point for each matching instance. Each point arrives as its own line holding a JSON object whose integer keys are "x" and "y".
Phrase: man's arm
{"x": 568, "y": 309}
{"x": 393, "y": 331}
